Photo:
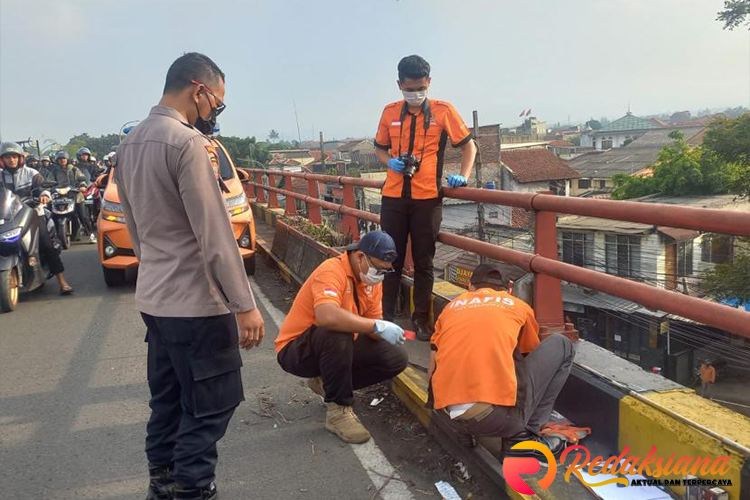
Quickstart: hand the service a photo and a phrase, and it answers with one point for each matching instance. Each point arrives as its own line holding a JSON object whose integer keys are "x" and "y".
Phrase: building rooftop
{"x": 635, "y": 156}
{"x": 627, "y": 123}
{"x": 536, "y": 164}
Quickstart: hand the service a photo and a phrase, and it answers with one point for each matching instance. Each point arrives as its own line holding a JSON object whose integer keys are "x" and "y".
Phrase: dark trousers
{"x": 83, "y": 218}
{"x": 194, "y": 378}
{"x": 47, "y": 251}
{"x": 343, "y": 363}
{"x": 420, "y": 219}
{"x": 544, "y": 373}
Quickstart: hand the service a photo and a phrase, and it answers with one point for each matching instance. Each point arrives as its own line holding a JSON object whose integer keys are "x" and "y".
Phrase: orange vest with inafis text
{"x": 474, "y": 341}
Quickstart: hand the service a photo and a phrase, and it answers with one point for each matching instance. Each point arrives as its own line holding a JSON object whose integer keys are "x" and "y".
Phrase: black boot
{"x": 160, "y": 482}
{"x": 206, "y": 493}
{"x": 555, "y": 445}
{"x": 422, "y": 329}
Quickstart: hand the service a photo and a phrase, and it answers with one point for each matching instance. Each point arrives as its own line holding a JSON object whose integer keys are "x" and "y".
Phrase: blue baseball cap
{"x": 376, "y": 244}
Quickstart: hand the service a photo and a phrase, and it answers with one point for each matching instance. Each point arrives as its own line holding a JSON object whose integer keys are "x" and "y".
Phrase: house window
{"x": 607, "y": 143}
{"x": 685, "y": 258}
{"x": 716, "y": 248}
{"x": 578, "y": 249}
{"x": 584, "y": 183}
{"x": 623, "y": 255}
{"x": 602, "y": 183}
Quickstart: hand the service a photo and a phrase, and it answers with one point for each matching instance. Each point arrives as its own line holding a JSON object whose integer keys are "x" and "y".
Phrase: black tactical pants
{"x": 420, "y": 219}
{"x": 47, "y": 251}
{"x": 194, "y": 378}
{"x": 343, "y": 363}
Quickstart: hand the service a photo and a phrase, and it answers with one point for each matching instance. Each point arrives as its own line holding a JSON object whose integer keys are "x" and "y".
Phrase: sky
{"x": 74, "y": 66}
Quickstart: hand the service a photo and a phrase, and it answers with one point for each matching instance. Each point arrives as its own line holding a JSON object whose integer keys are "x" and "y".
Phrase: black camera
{"x": 412, "y": 165}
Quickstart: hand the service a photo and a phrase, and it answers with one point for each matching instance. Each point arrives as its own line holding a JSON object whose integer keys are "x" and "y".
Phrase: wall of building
{"x": 595, "y": 185}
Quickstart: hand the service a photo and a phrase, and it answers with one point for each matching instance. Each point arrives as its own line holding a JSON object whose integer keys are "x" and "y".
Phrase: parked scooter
{"x": 62, "y": 206}
{"x": 21, "y": 268}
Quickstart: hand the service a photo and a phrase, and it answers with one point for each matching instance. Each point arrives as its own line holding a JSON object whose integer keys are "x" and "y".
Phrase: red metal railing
{"x": 549, "y": 271}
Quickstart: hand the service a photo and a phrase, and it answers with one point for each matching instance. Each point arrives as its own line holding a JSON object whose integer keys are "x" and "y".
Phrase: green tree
{"x": 730, "y": 139}
{"x": 628, "y": 186}
{"x": 734, "y": 14}
{"x": 273, "y": 135}
{"x": 737, "y": 179}
{"x": 99, "y": 146}
{"x": 729, "y": 280}
{"x": 594, "y": 124}
{"x": 680, "y": 170}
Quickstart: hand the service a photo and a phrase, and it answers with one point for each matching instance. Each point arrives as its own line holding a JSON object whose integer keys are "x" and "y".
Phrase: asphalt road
{"x": 73, "y": 408}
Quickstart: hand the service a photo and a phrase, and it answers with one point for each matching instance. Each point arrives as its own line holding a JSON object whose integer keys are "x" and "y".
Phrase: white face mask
{"x": 414, "y": 98}
{"x": 373, "y": 277}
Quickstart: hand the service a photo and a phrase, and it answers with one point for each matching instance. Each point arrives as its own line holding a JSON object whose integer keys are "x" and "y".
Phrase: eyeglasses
{"x": 220, "y": 106}
{"x": 380, "y": 271}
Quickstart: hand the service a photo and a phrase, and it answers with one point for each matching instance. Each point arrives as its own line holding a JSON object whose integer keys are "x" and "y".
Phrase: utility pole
{"x": 478, "y": 168}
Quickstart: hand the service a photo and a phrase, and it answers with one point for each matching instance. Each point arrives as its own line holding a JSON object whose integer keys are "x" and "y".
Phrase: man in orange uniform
{"x": 479, "y": 377}
{"x": 708, "y": 378}
{"x": 411, "y": 140}
{"x": 334, "y": 334}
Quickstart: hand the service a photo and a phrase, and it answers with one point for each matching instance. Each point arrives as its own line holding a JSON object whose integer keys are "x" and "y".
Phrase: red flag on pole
{"x": 522, "y": 113}
{"x": 528, "y": 112}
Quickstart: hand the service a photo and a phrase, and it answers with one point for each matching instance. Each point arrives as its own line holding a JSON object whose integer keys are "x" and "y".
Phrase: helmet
{"x": 34, "y": 157}
{"x": 46, "y": 158}
{"x": 11, "y": 148}
{"x": 62, "y": 154}
{"x": 83, "y": 151}
{"x": 93, "y": 159}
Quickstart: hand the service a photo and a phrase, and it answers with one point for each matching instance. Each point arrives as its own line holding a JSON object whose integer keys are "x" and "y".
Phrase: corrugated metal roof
{"x": 574, "y": 294}
{"x": 596, "y": 224}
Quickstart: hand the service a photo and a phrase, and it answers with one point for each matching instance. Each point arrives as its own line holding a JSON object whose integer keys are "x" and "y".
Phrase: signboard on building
{"x": 458, "y": 275}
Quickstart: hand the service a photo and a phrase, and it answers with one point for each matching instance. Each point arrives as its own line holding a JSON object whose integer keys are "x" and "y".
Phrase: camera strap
{"x": 427, "y": 116}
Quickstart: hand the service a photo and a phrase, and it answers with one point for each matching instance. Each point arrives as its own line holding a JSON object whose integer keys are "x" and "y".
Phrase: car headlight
{"x": 11, "y": 236}
{"x": 110, "y": 206}
{"x": 236, "y": 201}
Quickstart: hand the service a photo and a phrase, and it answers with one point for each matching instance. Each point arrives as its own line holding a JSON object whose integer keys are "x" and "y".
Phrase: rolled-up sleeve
{"x": 210, "y": 223}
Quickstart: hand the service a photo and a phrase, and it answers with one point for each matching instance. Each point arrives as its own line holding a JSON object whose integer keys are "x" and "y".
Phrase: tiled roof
{"x": 537, "y": 164}
{"x": 628, "y": 122}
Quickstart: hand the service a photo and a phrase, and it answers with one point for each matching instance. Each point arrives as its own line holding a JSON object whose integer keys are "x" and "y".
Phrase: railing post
{"x": 548, "y": 304}
{"x": 260, "y": 192}
{"x": 291, "y": 203}
{"x": 313, "y": 210}
{"x": 350, "y": 222}
{"x": 249, "y": 188}
{"x": 273, "y": 198}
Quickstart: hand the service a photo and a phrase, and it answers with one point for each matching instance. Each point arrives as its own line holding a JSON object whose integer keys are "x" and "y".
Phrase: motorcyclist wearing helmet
{"x": 45, "y": 166}
{"x": 26, "y": 182}
{"x": 68, "y": 175}
{"x": 87, "y": 164}
{"x": 32, "y": 161}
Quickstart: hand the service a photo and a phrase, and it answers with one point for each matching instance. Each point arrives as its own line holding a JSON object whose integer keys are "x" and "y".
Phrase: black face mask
{"x": 205, "y": 127}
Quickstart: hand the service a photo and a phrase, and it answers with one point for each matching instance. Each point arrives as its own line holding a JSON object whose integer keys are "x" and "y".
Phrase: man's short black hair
{"x": 188, "y": 67}
{"x": 414, "y": 67}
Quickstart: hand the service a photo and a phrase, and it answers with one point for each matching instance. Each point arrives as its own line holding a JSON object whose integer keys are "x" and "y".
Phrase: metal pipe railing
{"x": 710, "y": 313}
{"x": 658, "y": 214}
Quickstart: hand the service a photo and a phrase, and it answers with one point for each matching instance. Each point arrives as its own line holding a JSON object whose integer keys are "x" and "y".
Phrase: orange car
{"x": 116, "y": 251}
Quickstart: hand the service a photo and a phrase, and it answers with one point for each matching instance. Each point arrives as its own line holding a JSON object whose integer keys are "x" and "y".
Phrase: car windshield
{"x": 225, "y": 167}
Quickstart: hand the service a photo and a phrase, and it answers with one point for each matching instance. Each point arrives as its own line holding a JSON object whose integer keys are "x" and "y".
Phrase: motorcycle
{"x": 92, "y": 200}
{"x": 21, "y": 268}
{"x": 62, "y": 206}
